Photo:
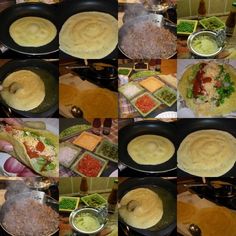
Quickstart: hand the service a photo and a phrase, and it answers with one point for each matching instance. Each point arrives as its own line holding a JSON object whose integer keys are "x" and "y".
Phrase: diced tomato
{"x": 89, "y": 166}
{"x": 8, "y": 128}
{"x": 218, "y": 84}
{"x": 145, "y": 103}
{"x": 206, "y": 80}
{"x": 30, "y": 152}
{"x": 40, "y": 146}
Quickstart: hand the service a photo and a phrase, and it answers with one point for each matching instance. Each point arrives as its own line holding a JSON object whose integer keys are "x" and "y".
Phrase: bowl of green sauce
{"x": 87, "y": 220}
{"x": 204, "y": 44}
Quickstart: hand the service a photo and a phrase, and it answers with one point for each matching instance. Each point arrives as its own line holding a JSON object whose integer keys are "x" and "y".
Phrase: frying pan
{"x": 17, "y": 11}
{"x": 187, "y": 126}
{"x": 48, "y": 72}
{"x": 144, "y": 18}
{"x": 129, "y": 132}
{"x": 68, "y": 8}
{"x": 49, "y": 202}
{"x": 166, "y": 191}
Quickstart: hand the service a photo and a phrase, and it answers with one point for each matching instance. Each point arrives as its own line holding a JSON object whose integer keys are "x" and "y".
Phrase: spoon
{"x": 76, "y": 112}
{"x": 194, "y": 230}
{"x": 12, "y": 88}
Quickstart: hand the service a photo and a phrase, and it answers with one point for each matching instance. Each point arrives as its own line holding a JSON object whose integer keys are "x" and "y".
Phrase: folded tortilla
{"x": 46, "y": 163}
{"x": 206, "y": 109}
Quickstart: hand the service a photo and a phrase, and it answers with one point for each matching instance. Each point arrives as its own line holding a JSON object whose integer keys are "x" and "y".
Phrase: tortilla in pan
{"x": 207, "y": 153}
{"x": 209, "y": 88}
{"x": 37, "y": 149}
{"x": 32, "y": 31}
{"x": 25, "y": 90}
{"x": 150, "y": 149}
{"x": 89, "y": 35}
{"x": 141, "y": 208}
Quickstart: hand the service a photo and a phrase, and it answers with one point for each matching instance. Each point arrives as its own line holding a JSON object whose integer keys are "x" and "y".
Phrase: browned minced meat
{"x": 28, "y": 217}
{"x": 147, "y": 41}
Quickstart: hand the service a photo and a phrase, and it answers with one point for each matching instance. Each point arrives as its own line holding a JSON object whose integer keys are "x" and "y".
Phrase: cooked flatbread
{"x": 89, "y": 35}
{"x": 215, "y": 221}
{"x": 67, "y": 94}
{"x": 32, "y": 31}
{"x": 207, "y": 108}
{"x": 185, "y": 212}
{"x": 29, "y": 90}
{"x": 141, "y": 208}
{"x": 150, "y": 149}
{"x": 97, "y": 102}
{"x": 207, "y": 153}
{"x": 94, "y": 103}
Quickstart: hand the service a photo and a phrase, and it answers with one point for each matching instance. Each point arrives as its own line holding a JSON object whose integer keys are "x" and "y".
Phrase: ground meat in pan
{"x": 145, "y": 40}
{"x": 27, "y": 217}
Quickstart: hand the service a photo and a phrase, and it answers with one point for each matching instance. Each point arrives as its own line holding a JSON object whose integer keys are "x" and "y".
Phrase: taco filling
{"x": 209, "y": 88}
{"x": 41, "y": 151}
{"x": 210, "y": 83}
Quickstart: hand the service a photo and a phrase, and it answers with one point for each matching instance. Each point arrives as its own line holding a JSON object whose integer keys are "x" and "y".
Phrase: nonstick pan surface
{"x": 48, "y": 73}
{"x": 129, "y": 132}
{"x": 17, "y": 11}
{"x": 187, "y": 126}
{"x": 69, "y": 8}
{"x": 166, "y": 191}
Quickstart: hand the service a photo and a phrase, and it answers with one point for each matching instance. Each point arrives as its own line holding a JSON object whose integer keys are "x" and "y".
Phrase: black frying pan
{"x": 166, "y": 191}
{"x": 25, "y": 195}
{"x": 71, "y": 7}
{"x": 129, "y": 132}
{"x": 128, "y": 25}
{"x": 48, "y": 73}
{"x": 187, "y": 126}
{"x": 17, "y": 11}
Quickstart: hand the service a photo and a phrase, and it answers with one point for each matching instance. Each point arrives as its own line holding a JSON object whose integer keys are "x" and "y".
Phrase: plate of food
{"x": 68, "y": 153}
{"x": 167, "y": 95}
{"x": 73, "y": 130}
{"x": 143, "y": 74}
{"x": 94, "y": 200}
{"x": 131, "y": 90}
{"x": 151, "y": 84}
{"x": 145, "y": 103}
{"x": 35, "y": 149}
{"x": 208, "y": 88}
{"x": 68, "y": 204}
{"x": 108, "y": 150}
{"x": 124, "y": 71}
{"x": 186, "y": 27}
{"x": 212, "y": 23}
{"x": 89, "y": 165}
{"x": 87, "y": 140}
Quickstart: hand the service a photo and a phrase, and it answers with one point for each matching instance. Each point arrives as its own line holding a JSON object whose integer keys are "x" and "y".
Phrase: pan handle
{"x": 3, "y": 48}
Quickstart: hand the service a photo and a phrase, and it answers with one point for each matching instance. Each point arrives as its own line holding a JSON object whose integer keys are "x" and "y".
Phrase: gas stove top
{"x": 226, "y": 201}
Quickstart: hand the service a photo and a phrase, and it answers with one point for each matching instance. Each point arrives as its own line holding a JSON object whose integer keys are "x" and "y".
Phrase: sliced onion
{"x": 26, "y": 173}
{"x": 13, "y": 166}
